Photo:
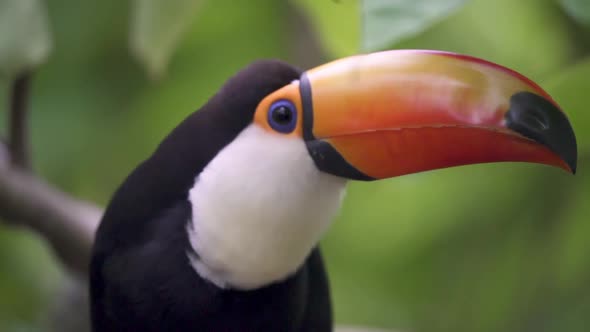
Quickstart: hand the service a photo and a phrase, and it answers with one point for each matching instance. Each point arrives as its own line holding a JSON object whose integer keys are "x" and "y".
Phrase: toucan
{"x": 218, "y": 229}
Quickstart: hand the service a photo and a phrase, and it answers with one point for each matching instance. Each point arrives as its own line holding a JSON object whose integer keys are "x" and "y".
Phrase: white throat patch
{"x": 259, "y": 208}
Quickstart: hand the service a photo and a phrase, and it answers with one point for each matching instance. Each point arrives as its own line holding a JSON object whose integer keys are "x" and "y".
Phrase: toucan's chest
{"x": 152, "y": 287}
{"x": 258, "y": 209}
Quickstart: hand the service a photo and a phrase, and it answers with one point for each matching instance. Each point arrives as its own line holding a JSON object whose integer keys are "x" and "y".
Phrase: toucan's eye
{"x": 282, "y": 116}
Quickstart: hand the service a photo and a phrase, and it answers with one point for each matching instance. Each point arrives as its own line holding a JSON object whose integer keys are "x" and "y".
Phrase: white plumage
{"x": 259, "y": 208}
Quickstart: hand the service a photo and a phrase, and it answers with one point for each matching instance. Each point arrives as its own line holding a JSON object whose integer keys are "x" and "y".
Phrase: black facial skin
{"x": 325, "y": 157}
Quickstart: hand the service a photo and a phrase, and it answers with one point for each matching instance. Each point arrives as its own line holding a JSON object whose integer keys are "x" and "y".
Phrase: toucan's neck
{"x": 259, "y": 208}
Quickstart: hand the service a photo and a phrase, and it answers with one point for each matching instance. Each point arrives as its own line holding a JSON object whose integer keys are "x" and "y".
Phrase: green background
{"x": 499, "y": 247}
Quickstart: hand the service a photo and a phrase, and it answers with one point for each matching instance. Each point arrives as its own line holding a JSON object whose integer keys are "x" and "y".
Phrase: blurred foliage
{"x": 578, "y": 9}
{"x": 28, "y": 278}
{"x": 25, "y": 39}
{"x": 386, "y": 22}
{"x": 499, "y": 247}
{"x": 338, "y": 25}
{"x": 156, "y": 29}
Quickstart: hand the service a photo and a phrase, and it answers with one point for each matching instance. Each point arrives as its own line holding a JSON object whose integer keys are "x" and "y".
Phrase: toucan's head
{"x": 287, "y": 142}
{"x": 392, "y": 113}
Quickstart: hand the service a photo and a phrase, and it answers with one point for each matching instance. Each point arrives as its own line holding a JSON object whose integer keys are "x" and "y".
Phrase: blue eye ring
{"x": 282, "y": 116}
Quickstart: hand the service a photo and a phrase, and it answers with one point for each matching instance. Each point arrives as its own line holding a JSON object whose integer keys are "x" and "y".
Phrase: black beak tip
{"x": 573, "y": 167}
{"x": 540, "y": 120}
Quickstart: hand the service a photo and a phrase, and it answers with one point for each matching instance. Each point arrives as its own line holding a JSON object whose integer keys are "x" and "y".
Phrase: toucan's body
{"x": 218, "y": 229}
{"x": 148, "y": 298}
{"x": 141, "y": 279}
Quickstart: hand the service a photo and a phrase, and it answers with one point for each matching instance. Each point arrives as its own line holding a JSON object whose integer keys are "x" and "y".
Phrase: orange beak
{"x": 399, "y": 112}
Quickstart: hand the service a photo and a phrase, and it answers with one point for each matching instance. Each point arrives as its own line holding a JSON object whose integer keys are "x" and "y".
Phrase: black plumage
{"x": 140, "y": 276}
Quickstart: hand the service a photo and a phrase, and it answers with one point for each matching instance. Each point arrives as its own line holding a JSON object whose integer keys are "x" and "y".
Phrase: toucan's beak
{"x": 398, "y": 112}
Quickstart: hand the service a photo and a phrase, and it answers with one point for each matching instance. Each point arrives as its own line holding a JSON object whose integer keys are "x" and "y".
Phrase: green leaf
{"x": 157, "y": 27}
{"x": 387, "y": 22}
{"x": 25, "y": 40}
{"x": 337, "y": 24}
{"x": 570, "y": 89}
{"x": 578, "y": 9}
{"x": 529, "y": 26}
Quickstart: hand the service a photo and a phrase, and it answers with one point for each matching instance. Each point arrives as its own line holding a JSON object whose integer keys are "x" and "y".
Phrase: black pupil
{"x": 282, "y": 115}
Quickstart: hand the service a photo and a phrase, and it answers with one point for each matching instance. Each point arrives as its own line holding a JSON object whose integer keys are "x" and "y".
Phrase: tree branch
{"x": 68, "y": 224}
{"x": 18, "y": 137}
{"x": 4, "y": 154}
{"x": 69, "y": 305}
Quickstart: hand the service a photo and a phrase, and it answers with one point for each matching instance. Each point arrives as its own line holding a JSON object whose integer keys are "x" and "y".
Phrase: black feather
{"x": 140, "y": 277}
